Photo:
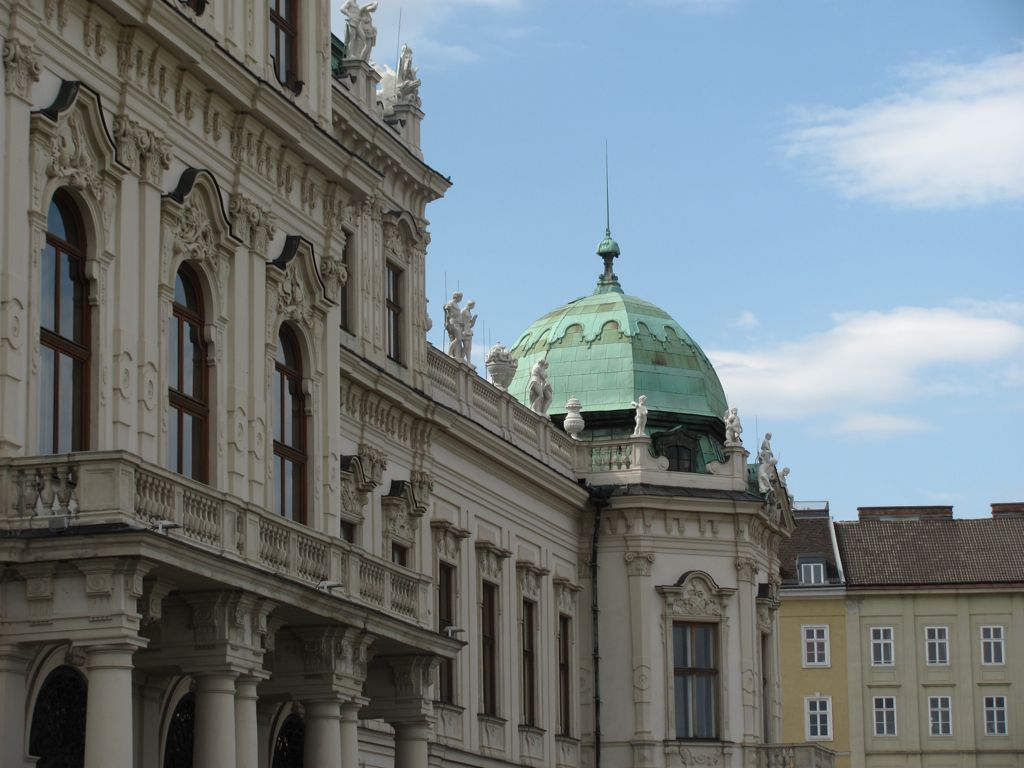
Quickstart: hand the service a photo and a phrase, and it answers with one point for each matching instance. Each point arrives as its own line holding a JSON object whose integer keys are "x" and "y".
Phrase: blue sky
{"x": 829, "y": 196}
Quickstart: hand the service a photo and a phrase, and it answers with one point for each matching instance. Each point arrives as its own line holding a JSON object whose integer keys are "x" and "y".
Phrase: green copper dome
{"x": 608, "y": 348}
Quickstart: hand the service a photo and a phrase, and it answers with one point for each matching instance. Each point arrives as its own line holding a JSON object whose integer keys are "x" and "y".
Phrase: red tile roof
{"x": 932, "y": 551}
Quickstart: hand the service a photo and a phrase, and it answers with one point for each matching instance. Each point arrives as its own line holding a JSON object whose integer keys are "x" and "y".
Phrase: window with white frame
{"x": 992, "y": 645}
{"x": 819, "y": 718}
{"x": 815, "y": 644}
{"x": 939, "y": 718}
{"x": 812, "y": 573}
{"x": 995, "y": 715}
{"x": 885, "y": 715}
{"x": 936, "y": 644}
{"x": 881, "y": 647}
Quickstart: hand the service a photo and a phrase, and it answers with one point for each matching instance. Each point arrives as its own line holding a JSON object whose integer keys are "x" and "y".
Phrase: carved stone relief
{"x": 21, "y": 61}
{"x": 639, "y": 563}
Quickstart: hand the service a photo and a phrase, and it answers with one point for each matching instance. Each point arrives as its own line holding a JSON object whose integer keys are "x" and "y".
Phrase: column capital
{"x": 321, "y": 658}
{"x": 410, "y": 699}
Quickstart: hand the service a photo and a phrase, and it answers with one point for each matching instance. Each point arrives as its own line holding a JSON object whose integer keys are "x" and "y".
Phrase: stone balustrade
{"x": 805, "y": 755}
{"x": 116, "y": 487}
{"x": 463, "y": 390}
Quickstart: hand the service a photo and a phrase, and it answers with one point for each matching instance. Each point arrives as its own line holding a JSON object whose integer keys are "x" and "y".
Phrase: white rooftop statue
{"x": 733, "y": 427}
{"x": 360, "y": 33}
{"x": 641, "y": 416}
{"x": 539, "y": 390}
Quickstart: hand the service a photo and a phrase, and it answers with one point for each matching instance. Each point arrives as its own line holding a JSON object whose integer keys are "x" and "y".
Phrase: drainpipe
{"x": 600, "y": 501}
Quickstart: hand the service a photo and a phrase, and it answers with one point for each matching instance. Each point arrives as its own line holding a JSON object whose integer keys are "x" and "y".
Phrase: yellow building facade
{"x": 812, "y": 639}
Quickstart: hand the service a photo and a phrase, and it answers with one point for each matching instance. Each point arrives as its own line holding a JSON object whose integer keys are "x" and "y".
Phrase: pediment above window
{"x": 696, "y": 595}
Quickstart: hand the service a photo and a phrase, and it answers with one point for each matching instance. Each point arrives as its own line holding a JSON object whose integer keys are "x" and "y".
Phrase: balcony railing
{"x": 802, "y": 755}
{"x": 116, "y": 487}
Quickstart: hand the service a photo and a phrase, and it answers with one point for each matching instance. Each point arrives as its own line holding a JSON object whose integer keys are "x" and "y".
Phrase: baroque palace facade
{"x": 251, "y": 518}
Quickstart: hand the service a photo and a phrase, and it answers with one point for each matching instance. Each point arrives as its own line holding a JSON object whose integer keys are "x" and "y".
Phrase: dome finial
{"x": 607, "y": 249}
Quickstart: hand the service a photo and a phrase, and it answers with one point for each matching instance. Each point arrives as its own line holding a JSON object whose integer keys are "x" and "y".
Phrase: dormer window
{"x": 812, "y": 571}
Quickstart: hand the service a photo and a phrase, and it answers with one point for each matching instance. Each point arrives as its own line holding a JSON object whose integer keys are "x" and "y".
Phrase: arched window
{"x": 187, "y": 425}
{"x": 64, "y": 331}
{"x": 181, "y": 734}
{"x": 289, "y": 747}
{"x": 289, "y": 430}
{"x": 57, "y": 736}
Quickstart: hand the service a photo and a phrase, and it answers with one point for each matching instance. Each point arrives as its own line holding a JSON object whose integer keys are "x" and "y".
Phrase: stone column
{"x": 214, "y": 745}
{"x": 411, "y": 744}
{"x": 350, "y": 732}
{"x": 323, "y": 733}
{"x": 14, "y": 661}
{"x": 108, "y": 717}
{"x": 246, "y": 730}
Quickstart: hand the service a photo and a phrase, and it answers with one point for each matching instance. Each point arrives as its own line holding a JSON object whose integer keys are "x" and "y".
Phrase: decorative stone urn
{"x": 573, "y": 423}
{"x": 501, "y": 366}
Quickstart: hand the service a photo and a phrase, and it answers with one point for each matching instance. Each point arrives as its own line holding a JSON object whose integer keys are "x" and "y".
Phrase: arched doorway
{"x": 57, "y": 736}
{"x": 290, "y": 742}
{"x": 180, "y": 733}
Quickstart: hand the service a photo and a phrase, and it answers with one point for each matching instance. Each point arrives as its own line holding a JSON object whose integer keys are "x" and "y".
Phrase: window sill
{"x": 454, "y": 708}
{"x": 492, "y": 719}
{"x": 532, "y": 729}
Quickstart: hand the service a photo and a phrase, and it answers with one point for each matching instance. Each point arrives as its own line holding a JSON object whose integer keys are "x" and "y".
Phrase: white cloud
{"x": 747, "y": 319}
{"x": 871, "y": 359}
{"x": 954, "y": 137}
{"x": 876, "y": 424}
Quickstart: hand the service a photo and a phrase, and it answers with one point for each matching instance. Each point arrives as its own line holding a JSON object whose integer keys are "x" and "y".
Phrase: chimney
{"x": 1007, "y": 510}
{"x": 904, "y": 513}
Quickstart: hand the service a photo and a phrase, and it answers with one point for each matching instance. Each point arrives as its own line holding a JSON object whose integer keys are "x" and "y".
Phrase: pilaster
{"x": 638, "y": 570}
{"x": 14, "y": 661}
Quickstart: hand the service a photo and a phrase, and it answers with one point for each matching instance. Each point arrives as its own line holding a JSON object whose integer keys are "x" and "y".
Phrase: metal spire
{"x": 607, "y": 249}
{"x": 607, "y": 196}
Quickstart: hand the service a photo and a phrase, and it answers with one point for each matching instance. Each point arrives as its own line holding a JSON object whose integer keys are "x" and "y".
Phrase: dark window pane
{"x": 172, "y": 352}
{"x": 179, "y": 291}
{"x": 186, "y": 445}
{"x": 65, "y": 406}
{"x": 55, "y": 222}
{"x": 293, "y": 426}
{"x": 48, "y": 275}
{"x": 288, "y": 490}
{"x": 276, "y": 395}
{"x": 172, "y": 441}
{"x": 66, "y": 287}
{"x": 46, "y": 399}
{"x": 278, "y": 474}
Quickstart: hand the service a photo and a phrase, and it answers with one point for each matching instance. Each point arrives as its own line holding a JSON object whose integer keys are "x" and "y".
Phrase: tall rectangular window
{"x": 939, "y": 716}
{"x": 446, "y": 619}
{"x": 695, "y": 657}
{"x": 489, "y": 648}
{"x": 284, "y": 41}
{"x": 885, "y": 715}
{"x": 816, "y": 651}
{"x": 394, "y": 310}
{"x": 529, "y": 643}
{"x": 936, "y": 640}
{"x": 995, "y": 715}
{"x": 992, "y": 645}
{"x": 881, "y": 647}
{"x": 819, "y": 717}
{"x": 564, "y": 675}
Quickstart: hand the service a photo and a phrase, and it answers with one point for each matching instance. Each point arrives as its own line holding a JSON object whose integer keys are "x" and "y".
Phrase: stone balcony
{"x": 803, "y": 755}
{"x": 114, "y": 487}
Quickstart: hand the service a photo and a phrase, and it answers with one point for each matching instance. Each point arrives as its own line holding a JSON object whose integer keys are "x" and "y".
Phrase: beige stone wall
{"x": 911, "y": 680}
